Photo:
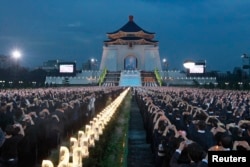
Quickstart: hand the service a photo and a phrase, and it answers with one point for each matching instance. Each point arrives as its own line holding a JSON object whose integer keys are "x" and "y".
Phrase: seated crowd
{"x": 183, "y": 124}
{"x": 34, "y": 121}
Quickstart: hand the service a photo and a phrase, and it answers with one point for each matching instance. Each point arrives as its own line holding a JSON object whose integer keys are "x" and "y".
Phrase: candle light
{"x": 84, "y": 146}
{"x": 85, "y": 151}
{"x": 64, "y": 155}
{"x": 91, "y": 139}
{"x": 91, "y": 123}
{"x": 70, "y": 165}
{"x": 79, "y": 148}
{"x": 95, "y": 120}
{"x": 99, "y": 116}
{"x": 47, "y": 163}
{"x": 80, "y": 135}
{"x": 62, "y": 164}
{"x": 84, "y": 141}
{"x": 73, "y": 144}
{"x": 87, "y": 128}
{"x": 96, "y": 133}
{"x": 77, "y": 157}
{"x": 101, "y": 127}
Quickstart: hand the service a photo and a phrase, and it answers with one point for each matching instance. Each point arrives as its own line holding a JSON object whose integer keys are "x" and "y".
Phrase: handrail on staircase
{"x": 102, "y": 76}
{"x": 158, "y": 76}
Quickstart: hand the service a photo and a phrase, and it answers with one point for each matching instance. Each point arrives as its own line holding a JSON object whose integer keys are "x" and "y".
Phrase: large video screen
{"x": 67, "y": 68}
{"x": 197, "y": 69}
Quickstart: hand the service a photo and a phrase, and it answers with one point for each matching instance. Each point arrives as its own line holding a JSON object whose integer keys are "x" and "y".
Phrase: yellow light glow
{"x": 73, "y": 144}
{"x": 77, "y": 157}
{"x": 47, "y": 163}
{"x": 80, "y": 147}
{"x": 64, "y": 155}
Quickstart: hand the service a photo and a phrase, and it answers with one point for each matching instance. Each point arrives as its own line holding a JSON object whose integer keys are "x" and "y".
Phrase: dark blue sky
{"x": 217, "y": 31}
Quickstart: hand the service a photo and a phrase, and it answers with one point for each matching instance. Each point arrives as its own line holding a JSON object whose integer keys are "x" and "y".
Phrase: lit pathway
{"x": 139, "y": 152}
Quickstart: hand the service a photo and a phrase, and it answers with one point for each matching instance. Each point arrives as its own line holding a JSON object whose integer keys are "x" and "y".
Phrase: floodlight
{"x": 189, "y": 64}
{"x": 16, "y": 54}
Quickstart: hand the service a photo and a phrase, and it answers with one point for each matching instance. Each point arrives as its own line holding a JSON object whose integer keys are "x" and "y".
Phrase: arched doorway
{"x": 130, "y": 63}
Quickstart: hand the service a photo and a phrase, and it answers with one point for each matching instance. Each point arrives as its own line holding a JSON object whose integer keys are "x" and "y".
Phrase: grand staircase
{"x": 130, "y": 78}
{"x": 112, "y": 78}
{"x": 148, "y": 78}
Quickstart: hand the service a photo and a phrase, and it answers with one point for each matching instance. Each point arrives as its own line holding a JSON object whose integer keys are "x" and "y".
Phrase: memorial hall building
{"x": 130, "y": 48}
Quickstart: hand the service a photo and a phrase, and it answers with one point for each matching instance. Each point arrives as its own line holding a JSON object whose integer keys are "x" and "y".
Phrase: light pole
{"x": 165, "y": 68}
{"x": 93, "y": 63}
{"x": 16, "y": 55}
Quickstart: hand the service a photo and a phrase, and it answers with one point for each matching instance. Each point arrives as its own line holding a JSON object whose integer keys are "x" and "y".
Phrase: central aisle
{"x": 139, "y": 152}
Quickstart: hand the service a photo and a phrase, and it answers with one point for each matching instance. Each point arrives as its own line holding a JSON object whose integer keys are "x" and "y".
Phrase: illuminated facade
{"x": 130, "y": 48}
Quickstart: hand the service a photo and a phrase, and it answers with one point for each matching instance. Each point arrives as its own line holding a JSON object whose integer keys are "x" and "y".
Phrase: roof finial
{"x": 131, "y": 18}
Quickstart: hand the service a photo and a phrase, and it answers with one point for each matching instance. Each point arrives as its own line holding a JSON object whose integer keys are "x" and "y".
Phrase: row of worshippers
{"x": 183, "y": 124}
{"x": 34, "y": 122}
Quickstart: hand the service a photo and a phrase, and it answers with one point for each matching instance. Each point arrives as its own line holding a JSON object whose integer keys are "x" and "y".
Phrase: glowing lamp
{"x": 47, "y": 163}
{"x": 96, "y": 133}
{"x": 85, "y": 152}
{"x": 80, "y": 136}
{"x": 73, "y": 144}
{"x": 77, "y": 157}
{"x": 87, "y": 128}
{"x": 188, "y": 64}
{"x": 16, "y": 54}
{"x": 64, "y": 155}
{"x": 92, "y": 139}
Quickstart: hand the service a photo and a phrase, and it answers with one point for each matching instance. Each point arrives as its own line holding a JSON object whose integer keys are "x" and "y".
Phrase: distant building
{"x": 86, "y": 66}
{"x": 6, "y": 61}
{"x": 129, "y": 48}
{"x": 50, "y": 65}
{"x": 91, "y": 64}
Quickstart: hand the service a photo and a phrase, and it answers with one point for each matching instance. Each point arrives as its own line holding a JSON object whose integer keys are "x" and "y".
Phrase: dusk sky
{"x": 217, "y": 31}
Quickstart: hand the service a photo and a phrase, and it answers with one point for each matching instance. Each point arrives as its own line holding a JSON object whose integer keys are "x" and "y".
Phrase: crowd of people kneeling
{"x": 183, "y": 124}
{"x": 33, "y": 122}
